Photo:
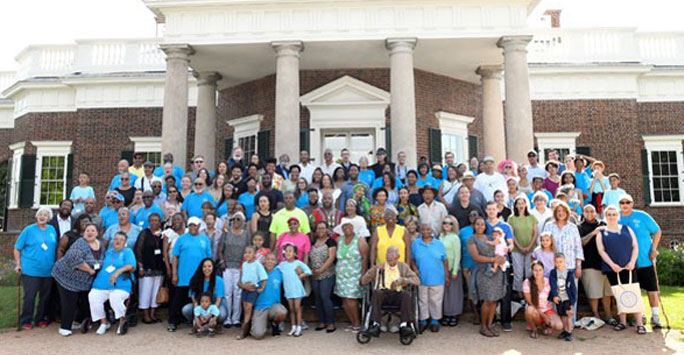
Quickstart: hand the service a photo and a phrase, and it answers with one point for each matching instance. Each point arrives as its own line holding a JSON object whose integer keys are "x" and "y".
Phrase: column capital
{"x": 207, "y": 77}
{"x": 514, "y": 43}
{"x": 399, "y": 44}
{"x": 490, "y": 71}
{"x": 288, "y": 48}
{"x": 177, "y": 51}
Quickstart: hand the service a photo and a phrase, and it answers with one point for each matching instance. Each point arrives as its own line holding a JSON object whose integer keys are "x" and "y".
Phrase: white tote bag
{"x": 628, "y": 296}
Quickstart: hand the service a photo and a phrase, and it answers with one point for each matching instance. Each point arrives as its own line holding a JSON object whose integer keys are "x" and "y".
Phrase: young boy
{"x": 612, "y": 196}
{"x": 80, "y": 193}
{"x": 599, "y": 185}
{"x": 206, "y": 315}
{"x": 252, "y": 274}
{"x": 563, "y": 294}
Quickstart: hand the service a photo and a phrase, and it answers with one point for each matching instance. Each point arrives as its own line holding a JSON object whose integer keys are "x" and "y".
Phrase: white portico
{"x": 241, "y": 41}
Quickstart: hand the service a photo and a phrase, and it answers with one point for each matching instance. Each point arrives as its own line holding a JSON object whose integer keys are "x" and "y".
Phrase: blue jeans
{"x": 322, "y": 290}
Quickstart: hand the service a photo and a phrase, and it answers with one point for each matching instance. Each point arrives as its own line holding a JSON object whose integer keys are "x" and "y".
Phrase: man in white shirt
{"x": 329, "y": 165}
{"x": 306, "y": 167}
{"x": 431, "y": 212}
{"x": 489, "y": 180}
{"x": 401, "y": 168}
{"x": 533, "y": 168}
{"x": 144, "y": 182}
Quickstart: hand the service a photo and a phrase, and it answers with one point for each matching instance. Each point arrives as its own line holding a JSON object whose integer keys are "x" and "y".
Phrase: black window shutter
{"x": 304, "y": 141}
{"x": 264, "y": 145}
{"x": 128, "y": 155}
{"x": 435, "y": 145}
{"x": 27, "y": 180}
{"x": 646, "y": 176}
{"x": 70, "y": 175}
{"x": 586, "y": 151}
{"x": 472, "y": 146}
{"x": 228, "y": 148}
{"x": 388, "y": 142}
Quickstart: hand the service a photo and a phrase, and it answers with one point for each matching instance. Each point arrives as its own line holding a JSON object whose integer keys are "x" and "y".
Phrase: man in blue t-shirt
{"x": 493, "y": 221}
{"x": 648, "y": 235}
{"x": 141, "y": 218}
{"x": 268, "y": 307}
{"x": 192, "y": 206}
{"x": 122, "y": 167}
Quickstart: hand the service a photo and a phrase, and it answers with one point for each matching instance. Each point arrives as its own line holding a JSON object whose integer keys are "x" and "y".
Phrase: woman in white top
{"x": 449, "y": 186}
{"x": 359, "y": 223}
{"x": 540, "y": 211}
{"x": 177, "y": 229}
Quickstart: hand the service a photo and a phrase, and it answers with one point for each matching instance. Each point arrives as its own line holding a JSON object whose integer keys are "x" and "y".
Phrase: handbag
{"x": 628, "y": 296}
{"x": 163, "y": 295}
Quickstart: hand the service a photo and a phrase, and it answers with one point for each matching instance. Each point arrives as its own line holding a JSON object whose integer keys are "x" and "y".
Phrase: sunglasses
{"x": 447, "y": 223}
{"x": 116, "y": 201}
{"x": 199, "y": 184}
{"x": 148, "y": 197}
{"x": 198, "y": 161}
{"x": 625, "y": 203}
{"x": 173, "y": 191}
{"x": 125, "y": 179}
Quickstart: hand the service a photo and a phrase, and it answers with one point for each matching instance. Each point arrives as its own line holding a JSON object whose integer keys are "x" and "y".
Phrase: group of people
{"x": 250, "y": 242}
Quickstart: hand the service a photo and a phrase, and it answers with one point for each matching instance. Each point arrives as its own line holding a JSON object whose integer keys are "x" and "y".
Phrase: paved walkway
{"x": 464, "y": 339}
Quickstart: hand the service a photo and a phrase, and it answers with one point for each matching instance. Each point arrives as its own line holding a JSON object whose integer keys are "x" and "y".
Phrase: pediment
{"x": 346, "y": 91}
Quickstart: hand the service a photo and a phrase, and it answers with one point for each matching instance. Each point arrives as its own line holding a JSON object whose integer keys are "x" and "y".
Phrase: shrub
{"x": 670, "y": 266}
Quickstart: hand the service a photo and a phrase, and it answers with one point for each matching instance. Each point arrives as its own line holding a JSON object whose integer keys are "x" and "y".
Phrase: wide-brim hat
{"x": 428, "y": 187}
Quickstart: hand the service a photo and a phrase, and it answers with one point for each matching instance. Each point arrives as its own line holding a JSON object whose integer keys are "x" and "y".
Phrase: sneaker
{"x": 507, "y": 327}
{"x": 374, "y": 330}
{"x": 275, "y": 330}
{"x": 292, "y": 331}
{"x": 102, "y": 329}
{"x": 568, "y": 337}
{"x": 211, "y": 333}
{"x": 562, "y": 335}
{"x": 75, "y": 326}
{"x": 655, "y": 322}
{"x": 227, "y": 325}
{"x": 405, "y": 331}
{"x": 304, "y": 326}
{"x": 42, "y": 324}
{"x": 27, "y": 326}
{"x": 298, "y": 331}
{"x": 171, "y": 327}
{"x": 394, "y": 329}
{"x": 65, "y": 332}
{"x": 123, "y": 328}
{"x": 383, "y": 328}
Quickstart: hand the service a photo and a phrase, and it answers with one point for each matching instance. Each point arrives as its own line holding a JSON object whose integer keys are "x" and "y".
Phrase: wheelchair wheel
{"x": 363, "y": 338}
{"x": 406, "y": 340}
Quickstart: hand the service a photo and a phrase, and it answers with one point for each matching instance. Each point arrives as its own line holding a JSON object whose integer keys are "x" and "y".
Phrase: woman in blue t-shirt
{"x": 205, "y": 280}
{"x": 34, "y": 253}
{"x": 113, "y": 283}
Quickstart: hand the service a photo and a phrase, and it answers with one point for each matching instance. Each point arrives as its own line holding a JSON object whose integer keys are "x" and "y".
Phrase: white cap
{"x": 194, "y": 220}
{"x": 627, "y": 197}
{"x": 488, "y": 158}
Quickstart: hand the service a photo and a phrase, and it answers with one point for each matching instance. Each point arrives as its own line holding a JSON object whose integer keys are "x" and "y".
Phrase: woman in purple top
{"x": 552, "y": 181}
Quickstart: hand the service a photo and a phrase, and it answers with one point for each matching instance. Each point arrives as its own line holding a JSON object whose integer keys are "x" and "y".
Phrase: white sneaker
{"x": 292, "y": 330}
{"x": 102, "y": 329}
{"x": 394, "y": 329}
{"x": 304, "y": 326}
{"x": 298, "y": 331}
{"x": 65, "y": 332}
{"x": 383, "y": 328}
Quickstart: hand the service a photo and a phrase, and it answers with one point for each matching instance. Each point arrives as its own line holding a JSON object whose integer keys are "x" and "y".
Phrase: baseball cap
{"x": 148, "y": 163}
{"x": 627, "y": 197}
{"x": 488, "y": 158}
{"x": 118, "y": 196}
{"x": 194, "y": 220}
{"x": 532, "y": 152}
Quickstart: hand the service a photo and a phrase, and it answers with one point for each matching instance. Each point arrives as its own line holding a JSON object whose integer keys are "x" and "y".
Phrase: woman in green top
{"x": 453, "y": 293}
{"x": 525, "y": 232}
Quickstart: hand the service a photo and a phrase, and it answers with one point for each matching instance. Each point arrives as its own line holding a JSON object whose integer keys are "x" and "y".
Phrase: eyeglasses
{"x": 625, "y": 203}
{"x": 198, "y": 161}
{"x": 125, "y": 179}
{"x": 508, "y": 167}
{"x": 173, "y": 191}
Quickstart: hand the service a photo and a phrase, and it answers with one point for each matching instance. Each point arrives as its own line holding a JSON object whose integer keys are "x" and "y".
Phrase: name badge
{"x": 96, "y": 266}
{"x": 157, "y": 251}
{"x": 141, "y": 223}
{"x": 110, "y": 269}
{"x": 44, "y": 246}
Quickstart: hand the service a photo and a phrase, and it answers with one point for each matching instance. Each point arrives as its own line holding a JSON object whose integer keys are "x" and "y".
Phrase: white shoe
{"x": 304, "y": 326}
{"x": 394, "y": 329}
{"x": 383, "y": 328}
{"x": 102, "y": 329}
{"x": 292, "y": 331}
{"x": 298, "y": 331}
{"x": 65, "y": 332}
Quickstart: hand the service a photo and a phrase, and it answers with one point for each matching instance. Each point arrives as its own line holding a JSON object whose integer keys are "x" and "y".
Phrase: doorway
{"x": 360, "y": 142}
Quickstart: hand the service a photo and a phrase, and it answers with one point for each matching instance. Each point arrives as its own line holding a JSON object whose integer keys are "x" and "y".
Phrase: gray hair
{"x": 45, "y": 209}
{"x": 391, "y": 209}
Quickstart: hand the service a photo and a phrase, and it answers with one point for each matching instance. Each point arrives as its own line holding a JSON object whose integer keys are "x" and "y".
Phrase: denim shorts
{"x": 249, "y": 296}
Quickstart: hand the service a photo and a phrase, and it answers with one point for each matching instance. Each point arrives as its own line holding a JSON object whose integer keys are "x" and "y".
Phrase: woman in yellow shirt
{"x": 389, "y": 234}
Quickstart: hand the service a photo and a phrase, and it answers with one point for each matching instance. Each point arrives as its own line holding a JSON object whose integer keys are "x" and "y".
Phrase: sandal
{"x": 534, "y": 334}
{"x": 620, "y": 327}
{"x": 486, "y": 332}
{"x": 494, "y": 331}
{"x": 612, "y": 322}
{"x": 548, "y": 330}
{"x": 641, "y": 329}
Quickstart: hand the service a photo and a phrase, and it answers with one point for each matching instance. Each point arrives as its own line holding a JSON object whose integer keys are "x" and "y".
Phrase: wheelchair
{"x": 364, "y": 336}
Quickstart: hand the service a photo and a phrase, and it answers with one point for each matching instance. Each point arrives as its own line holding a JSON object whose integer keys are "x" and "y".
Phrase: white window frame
{"x": 148, "y": 145}
{"x": 15, "y": 175}
{"x": 455, "y": 125}
{"x": 246, "y": 127}
{"x": 665, "y": 143}
{"x": 556, "y": 140}
{"x": 50, "y": 149}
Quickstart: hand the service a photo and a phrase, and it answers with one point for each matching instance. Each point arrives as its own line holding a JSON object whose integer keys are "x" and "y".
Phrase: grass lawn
{"x": 8, "y": 307}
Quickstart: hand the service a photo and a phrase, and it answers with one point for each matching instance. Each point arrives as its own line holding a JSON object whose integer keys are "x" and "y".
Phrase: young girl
{"x": 545, "y": 252}
{"x": 206, "y": 315}
{"x": 258, "y": 243}
{"x": 500, "y": 248}
{"x": 599, "y": 185}
{"x": 294, "y": 271}
{"x": 80, "y": 193}
{"x": 252, "y": 275}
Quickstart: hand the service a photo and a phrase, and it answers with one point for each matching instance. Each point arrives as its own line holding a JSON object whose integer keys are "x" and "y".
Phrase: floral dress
{"x": 376, "y": 214}
{"x": 348, "y": 269}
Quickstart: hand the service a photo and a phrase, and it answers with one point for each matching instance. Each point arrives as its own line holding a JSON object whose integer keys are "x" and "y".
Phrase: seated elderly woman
{"x": 391, "y": 279}
{"x": 113, "y": 283}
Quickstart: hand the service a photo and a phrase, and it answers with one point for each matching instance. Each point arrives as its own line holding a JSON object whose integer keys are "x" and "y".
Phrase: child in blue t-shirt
{"x": 599, "y": 185}
{"x": 206, "y": 315}
{"x": 294, "y": 271}
{"x": 252, "y": 275}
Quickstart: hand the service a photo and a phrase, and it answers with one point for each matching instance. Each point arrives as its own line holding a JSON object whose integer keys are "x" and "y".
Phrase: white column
{"x": 205, "y": 116}
{"x": 175, "y": 112}
{"x": 403, "y": 97}
{"x": 287, "y": 98}
{"x": 493, "y": 133}
{"x": 519, "y": 125}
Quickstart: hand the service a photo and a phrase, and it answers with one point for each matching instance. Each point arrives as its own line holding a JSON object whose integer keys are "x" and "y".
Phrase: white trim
{"x": 147, "y": 144}
{"x": 15, "y": 175}
{"x": 556, "y": 140}
{"x": 49, "y": 149}
{"x": 245, "y": 127}
{"x": 455, "y": 125}
{"x": 665, "y": 143}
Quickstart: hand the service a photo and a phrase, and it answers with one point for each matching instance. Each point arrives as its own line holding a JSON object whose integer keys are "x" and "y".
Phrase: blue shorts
{"x": 249, "y": 296}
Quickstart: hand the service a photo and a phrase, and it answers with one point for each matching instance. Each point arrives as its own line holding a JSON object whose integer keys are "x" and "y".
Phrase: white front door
{"x": 361, "y": 143}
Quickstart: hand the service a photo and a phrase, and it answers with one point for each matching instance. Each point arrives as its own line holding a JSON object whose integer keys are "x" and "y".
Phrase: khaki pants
{"x": 430, "y": 301}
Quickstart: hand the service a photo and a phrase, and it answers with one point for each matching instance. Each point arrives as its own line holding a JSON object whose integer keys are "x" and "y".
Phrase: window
{"x": 454, "y": 129}
{"x": 149, "y": 147}
{"x": 15, "y": 175}
{"x": 245, "y": 131}
{"x": 51, "y": 172}
{"x": 563, "y": 142}
{"x": 664, "y": 154}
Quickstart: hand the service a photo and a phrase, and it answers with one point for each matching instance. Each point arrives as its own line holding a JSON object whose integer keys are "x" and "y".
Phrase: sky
{"x": 25, "y": 22}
